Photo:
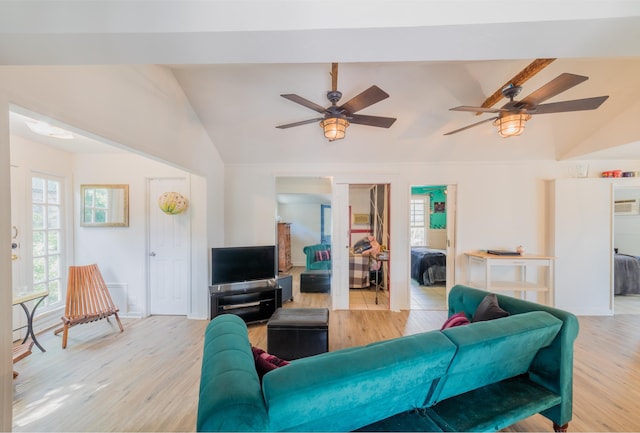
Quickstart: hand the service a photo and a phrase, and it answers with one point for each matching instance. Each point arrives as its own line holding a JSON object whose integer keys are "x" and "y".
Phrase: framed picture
{"x": 104, "y": 205}
{"x": 361, "y": 219}
{"x": 438, "y": 207}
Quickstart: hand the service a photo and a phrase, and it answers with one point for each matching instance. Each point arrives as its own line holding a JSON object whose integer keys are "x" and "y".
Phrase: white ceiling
{"x": 234, "y": 59}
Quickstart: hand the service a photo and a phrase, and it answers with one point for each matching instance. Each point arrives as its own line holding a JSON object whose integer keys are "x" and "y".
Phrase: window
{"x": 418, "y": 222}
{"x": 47, "y": 237}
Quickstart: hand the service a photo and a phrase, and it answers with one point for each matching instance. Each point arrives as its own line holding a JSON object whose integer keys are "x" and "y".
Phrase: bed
{"x": 358, "y": 271}
{"x": 428, "y": 266}
{"x": 626, "y": 275}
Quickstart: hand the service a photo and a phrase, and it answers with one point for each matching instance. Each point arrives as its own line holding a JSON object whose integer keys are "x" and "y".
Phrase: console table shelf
{"x": 252, "y": 304}
{"x": 522, "y": 263}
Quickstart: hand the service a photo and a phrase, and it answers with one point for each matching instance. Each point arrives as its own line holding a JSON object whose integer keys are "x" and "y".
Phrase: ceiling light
{"x": 43, "y": 128}
{"x": 511, "y": 124}
{"x": 334, "y": 127}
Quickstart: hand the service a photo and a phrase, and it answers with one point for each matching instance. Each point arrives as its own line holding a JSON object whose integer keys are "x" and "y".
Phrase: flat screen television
{"x": 239, "y": 264}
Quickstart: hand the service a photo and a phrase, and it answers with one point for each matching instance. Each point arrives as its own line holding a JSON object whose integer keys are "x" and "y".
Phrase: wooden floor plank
{"x": 147, "y": 378}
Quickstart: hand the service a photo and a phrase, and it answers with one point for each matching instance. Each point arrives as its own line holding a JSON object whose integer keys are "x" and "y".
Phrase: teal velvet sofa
{"x": 483, "y": 376}
{"x": 312, "y": 263}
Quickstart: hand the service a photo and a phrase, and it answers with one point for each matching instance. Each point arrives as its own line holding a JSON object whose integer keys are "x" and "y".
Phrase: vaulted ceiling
{"x": 235, "y": 58}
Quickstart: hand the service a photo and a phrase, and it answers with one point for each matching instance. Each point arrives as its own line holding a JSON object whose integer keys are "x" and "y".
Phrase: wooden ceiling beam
{"x": 334, "y": 77}
{"x": 532, "y": 69}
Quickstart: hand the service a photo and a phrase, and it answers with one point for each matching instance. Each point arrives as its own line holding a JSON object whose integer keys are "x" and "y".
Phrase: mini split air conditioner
{"x": 626, "y": 207}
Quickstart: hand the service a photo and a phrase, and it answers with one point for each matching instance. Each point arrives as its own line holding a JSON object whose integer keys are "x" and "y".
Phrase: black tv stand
{"x": 253, "y": 302}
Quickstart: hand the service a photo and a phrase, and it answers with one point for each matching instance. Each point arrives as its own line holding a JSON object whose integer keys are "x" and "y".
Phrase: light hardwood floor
{"x": 147, "y": 378}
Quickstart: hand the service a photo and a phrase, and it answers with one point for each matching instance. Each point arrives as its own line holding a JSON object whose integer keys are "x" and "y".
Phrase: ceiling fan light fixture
{"x": 512, "y": 124}
{"x": 334, "y": 127}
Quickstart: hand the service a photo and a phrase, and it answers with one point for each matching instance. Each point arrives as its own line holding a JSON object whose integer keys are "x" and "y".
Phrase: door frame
{"x": 399, "y": 266}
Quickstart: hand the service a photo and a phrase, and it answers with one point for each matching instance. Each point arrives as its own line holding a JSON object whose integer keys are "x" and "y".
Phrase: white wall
{"x": 499, "y": 205}
{"x": 581, "y": 244}
{"x": 121, "y": 252}
{"x": 6, "y": 296}
{"x": 305, "y": 227}
{"x": 138, "y": 107}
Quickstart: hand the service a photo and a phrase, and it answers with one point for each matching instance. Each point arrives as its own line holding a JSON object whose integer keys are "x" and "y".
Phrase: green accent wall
{"x": 437, "y": 204}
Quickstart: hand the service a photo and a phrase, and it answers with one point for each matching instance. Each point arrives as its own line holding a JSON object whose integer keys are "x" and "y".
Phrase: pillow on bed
{"x": 489, "y": 309}
{"x": 457, "y": 319}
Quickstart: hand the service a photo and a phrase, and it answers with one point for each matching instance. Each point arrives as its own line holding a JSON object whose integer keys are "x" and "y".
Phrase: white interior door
{"x": 340, "y": 247}
{"x": 169, "y": 251}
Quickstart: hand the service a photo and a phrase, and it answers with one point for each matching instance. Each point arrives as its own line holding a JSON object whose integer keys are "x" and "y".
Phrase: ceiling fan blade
{"x": 472, "y": 125}
{"x": 304, "y": 122}
{"x": 479, "y": 110}
{"x": 302, "y": 101}
{"x": 381, "y": 122}
{"x": 554, "y": 87}
{"x": 529, "y": 71}
{"x": 369, "y": 97}
{"x": 565, "y": 106}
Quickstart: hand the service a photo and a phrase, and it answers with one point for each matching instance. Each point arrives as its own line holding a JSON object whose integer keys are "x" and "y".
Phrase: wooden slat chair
{"x": 21, "y": 351}
{"x": 88, "y": 300}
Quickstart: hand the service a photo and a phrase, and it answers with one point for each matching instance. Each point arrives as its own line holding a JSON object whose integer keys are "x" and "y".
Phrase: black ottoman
{"x": 317, "y": 280}
{"x": 294, "y": 333}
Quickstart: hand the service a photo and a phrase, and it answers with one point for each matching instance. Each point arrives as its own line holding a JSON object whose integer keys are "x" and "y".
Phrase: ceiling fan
{"x": 336, "y": 117}
{"x": 512, "y": 116}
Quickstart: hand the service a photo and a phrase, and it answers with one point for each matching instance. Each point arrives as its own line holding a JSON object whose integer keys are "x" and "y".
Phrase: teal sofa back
{"x": 350, "y": 388}
{"x": 491, "y": 351}
{"x": 552, "y": 366}
{"x": 312, "y": 263}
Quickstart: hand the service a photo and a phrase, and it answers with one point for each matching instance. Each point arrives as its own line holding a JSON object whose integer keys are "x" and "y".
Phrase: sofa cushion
{"x": 489, "y": 309}
{"x": 494, "y": 350}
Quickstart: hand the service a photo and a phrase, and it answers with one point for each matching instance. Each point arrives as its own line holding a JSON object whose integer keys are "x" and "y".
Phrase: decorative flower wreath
{"x": 172, "y": 203}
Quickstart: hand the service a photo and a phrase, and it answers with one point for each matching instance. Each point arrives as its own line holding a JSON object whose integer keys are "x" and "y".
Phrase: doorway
{"x": 626, "y": 244}
{"x": 432, "y": 255}
{"x": 369, "y": 240}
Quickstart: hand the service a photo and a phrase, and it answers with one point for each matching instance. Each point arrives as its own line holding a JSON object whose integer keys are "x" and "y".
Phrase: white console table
{"x": 519, "y": 284}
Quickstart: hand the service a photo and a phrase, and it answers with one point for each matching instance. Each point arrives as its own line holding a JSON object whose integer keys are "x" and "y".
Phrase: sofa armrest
{"x": 230, "y": 396}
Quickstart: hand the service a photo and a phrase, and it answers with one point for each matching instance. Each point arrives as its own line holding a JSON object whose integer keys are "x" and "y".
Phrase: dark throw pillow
{"x": 323, "y": 256}
{"x": 266, "y": 362}
{"x": 489, "y": 309}
{"x": 457, "y": 319}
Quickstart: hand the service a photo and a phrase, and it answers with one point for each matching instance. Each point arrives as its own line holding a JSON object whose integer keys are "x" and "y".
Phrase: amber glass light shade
{"x": 510, "y": 125}
{"x": 334, "y": 127}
